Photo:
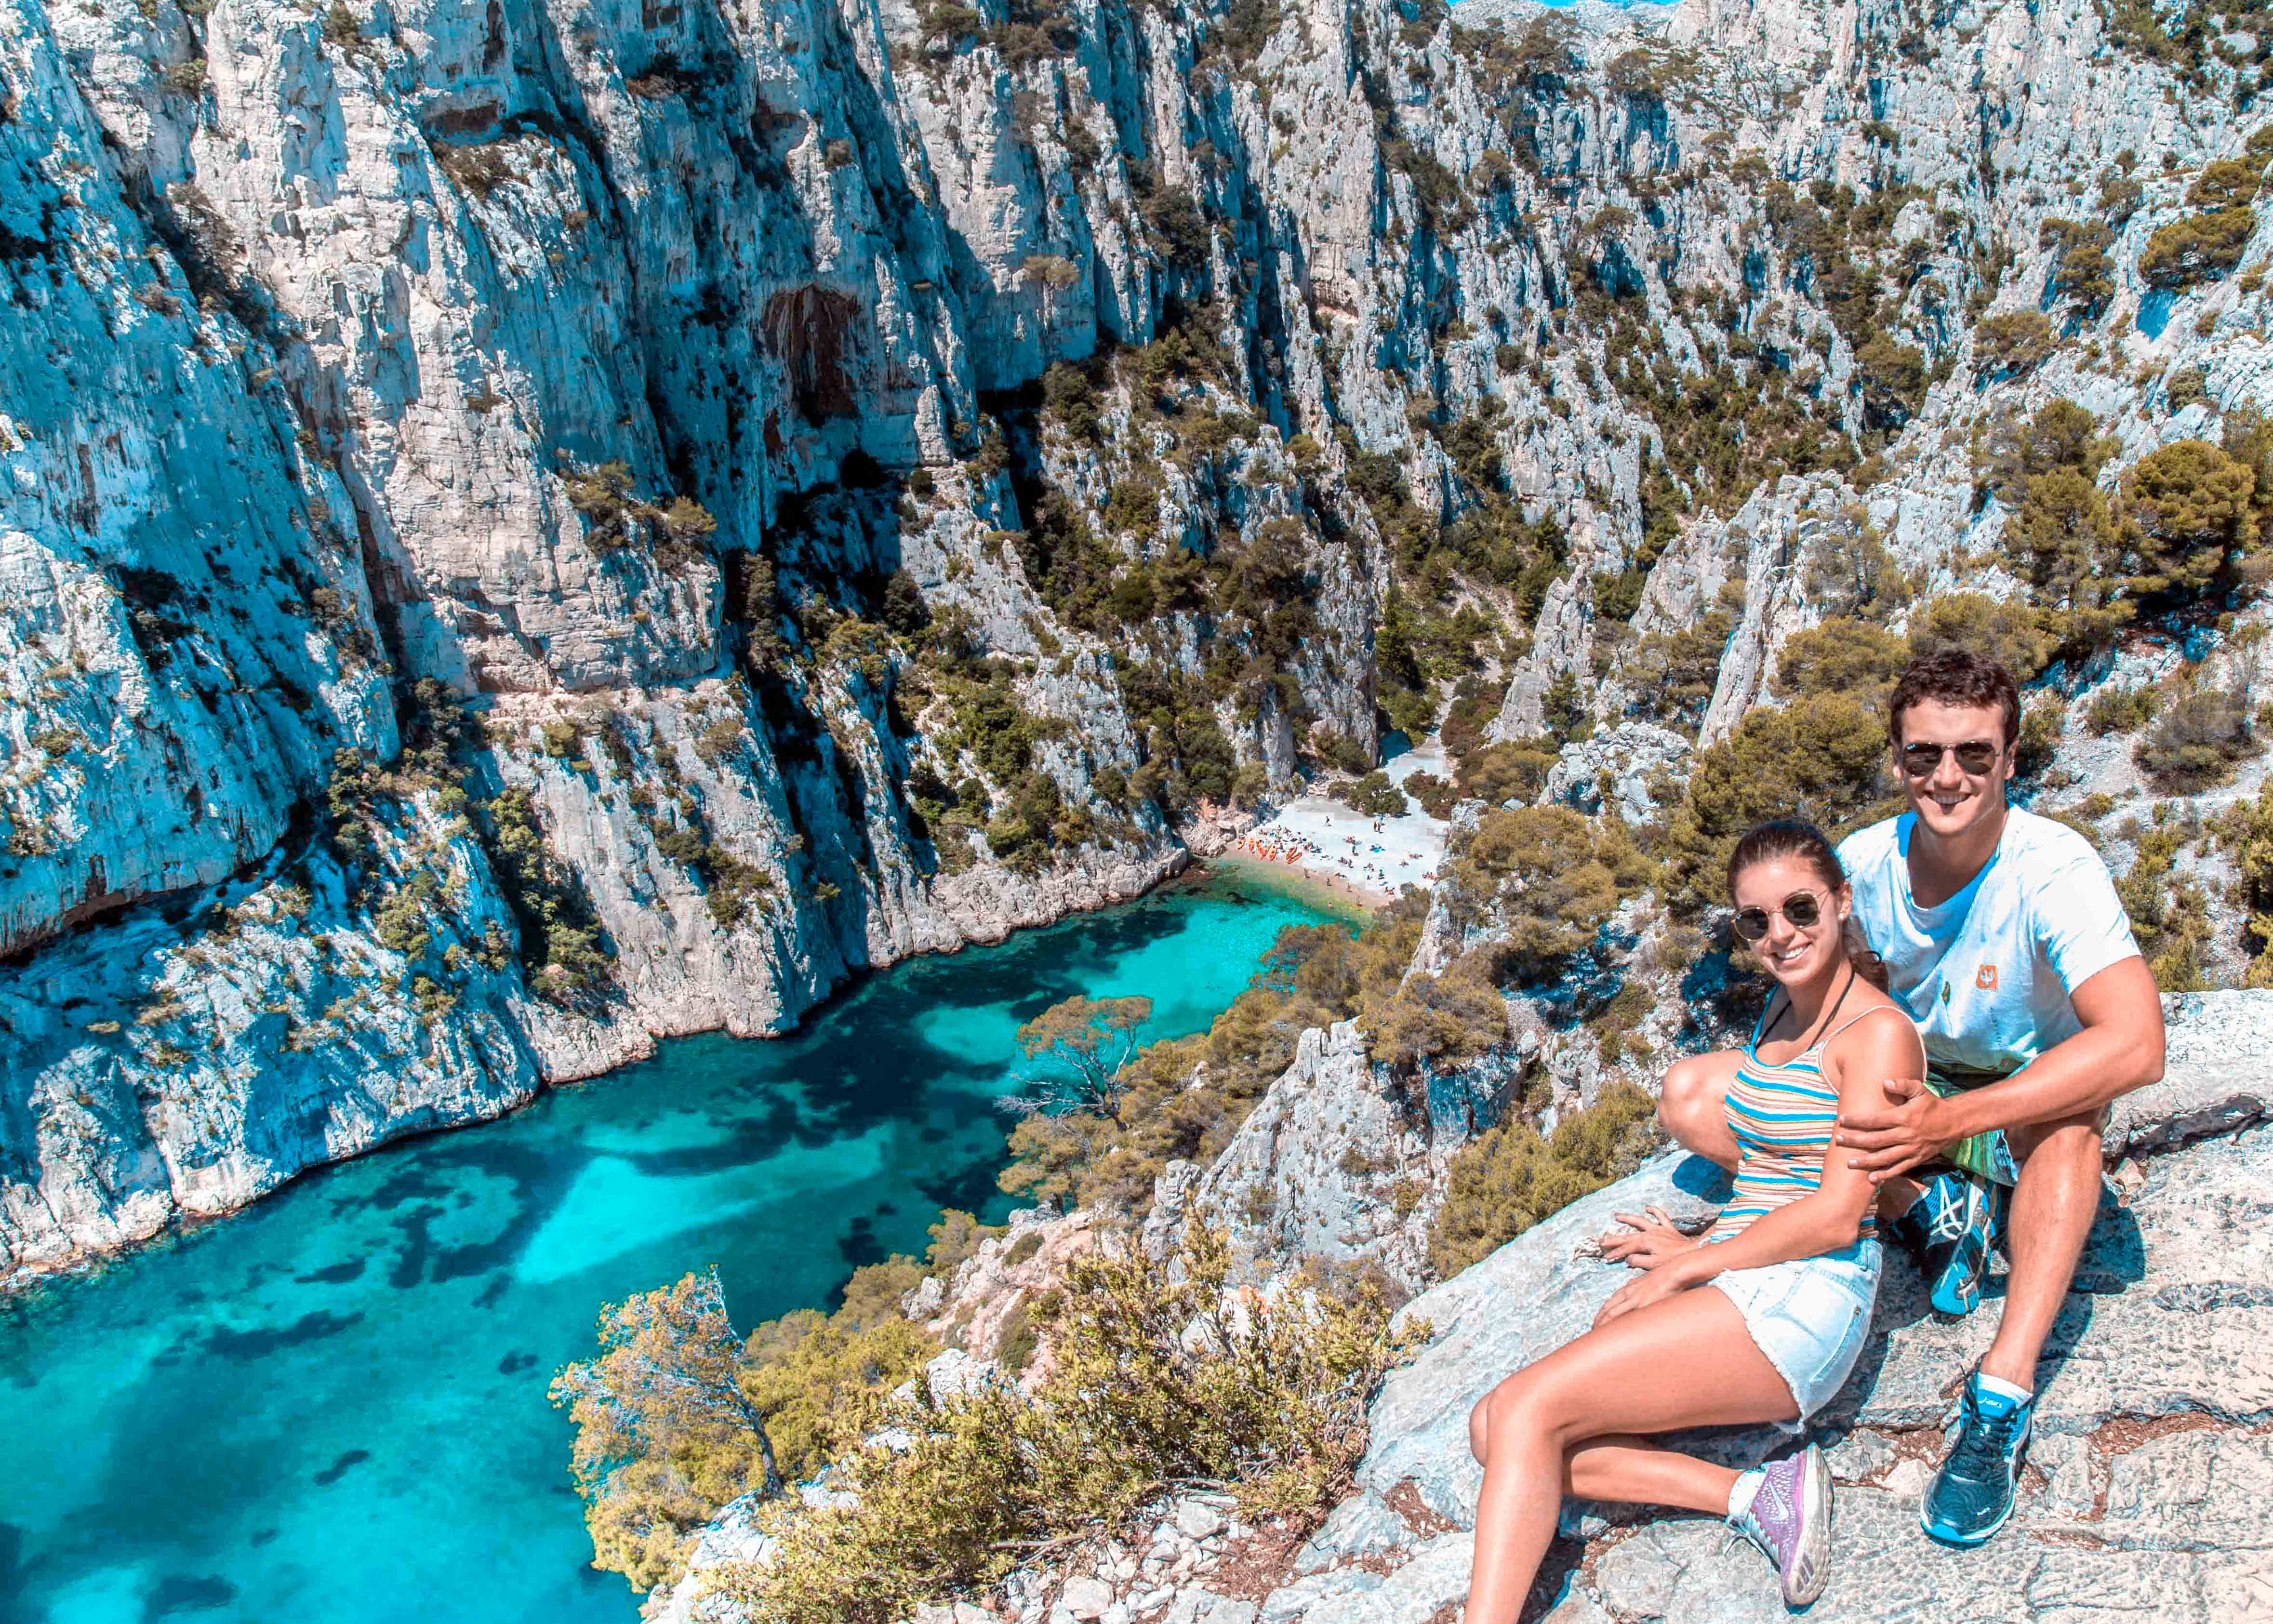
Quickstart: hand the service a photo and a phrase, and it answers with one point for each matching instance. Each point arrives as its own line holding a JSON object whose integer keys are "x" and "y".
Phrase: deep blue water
{"x": 330, "y": 1408}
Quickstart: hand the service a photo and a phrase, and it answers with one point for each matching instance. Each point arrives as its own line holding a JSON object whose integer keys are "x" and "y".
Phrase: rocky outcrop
{"x": 2151, "y": 1451}
{"x": 148, "y": 1076}
{"x": 1340, "y": 1161}
{"x": 985, "y": 1311}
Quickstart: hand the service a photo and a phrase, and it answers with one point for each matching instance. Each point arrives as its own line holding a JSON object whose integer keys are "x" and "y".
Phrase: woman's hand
{"x": 1640, "y": 1292}
{"x": 1649, "y": 1240}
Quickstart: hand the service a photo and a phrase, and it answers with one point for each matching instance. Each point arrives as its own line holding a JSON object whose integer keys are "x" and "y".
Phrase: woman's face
{"x": 1794, "y": 955}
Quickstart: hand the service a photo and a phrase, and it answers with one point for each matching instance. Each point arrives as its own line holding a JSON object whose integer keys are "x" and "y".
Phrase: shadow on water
{"x": 180, "y": 1593}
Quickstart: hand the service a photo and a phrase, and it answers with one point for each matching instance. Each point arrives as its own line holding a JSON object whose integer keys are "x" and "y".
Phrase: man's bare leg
{"x": 2051, "y": 1213}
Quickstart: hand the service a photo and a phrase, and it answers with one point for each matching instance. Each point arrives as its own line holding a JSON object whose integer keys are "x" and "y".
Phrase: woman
{"x": 1758, "y": 1320}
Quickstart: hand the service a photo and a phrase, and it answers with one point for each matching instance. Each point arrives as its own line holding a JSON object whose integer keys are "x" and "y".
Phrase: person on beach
{"x": 2003, "y": 937}
{"x": 1760, "y": 1318}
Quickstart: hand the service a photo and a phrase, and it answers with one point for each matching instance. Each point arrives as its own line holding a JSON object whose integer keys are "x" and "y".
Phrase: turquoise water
{"x": 331, "y": 1408}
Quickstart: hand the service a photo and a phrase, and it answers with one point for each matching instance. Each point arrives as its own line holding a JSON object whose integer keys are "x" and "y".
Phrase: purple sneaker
{"x": 1790, "y": 1520}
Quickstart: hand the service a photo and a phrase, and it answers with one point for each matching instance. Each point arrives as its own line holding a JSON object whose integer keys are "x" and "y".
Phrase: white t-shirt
{"x": 1987, "y": 974}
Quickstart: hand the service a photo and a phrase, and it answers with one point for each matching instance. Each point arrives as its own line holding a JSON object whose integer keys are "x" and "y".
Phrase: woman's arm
{"x": 1863, "y": 1056}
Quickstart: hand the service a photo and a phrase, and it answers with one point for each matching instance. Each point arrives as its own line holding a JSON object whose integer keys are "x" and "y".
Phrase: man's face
{"x": 1948, "y": 798}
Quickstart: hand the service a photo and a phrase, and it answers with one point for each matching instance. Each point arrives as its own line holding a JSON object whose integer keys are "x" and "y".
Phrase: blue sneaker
{"x": 1972, "y": 1494}
{"x": 1948, "y": 1229}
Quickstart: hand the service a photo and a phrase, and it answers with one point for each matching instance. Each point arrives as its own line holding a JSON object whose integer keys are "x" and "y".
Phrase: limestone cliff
{"x": 723, "y": 496}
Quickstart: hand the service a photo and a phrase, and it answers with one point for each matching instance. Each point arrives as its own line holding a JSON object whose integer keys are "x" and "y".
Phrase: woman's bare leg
{"x": 1685, "y": 1361}
{"x": 1692, "y": 1103}
{"x": 1635, "y": 1471}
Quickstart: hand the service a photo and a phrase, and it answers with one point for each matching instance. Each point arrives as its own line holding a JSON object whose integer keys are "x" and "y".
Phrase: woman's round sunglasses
{"x": 1803, "y": 908}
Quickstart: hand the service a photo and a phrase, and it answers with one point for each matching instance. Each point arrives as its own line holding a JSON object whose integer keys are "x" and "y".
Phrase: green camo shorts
{"x": 1984, "y": 1155}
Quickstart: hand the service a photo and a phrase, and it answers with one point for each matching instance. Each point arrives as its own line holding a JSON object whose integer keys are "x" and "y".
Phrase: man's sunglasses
{"x": 1803, "y": 908}
{"x": 1974, "y": 755}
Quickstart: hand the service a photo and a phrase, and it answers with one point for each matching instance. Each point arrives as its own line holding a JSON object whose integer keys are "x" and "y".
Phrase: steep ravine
{"x": 531, "y": 526}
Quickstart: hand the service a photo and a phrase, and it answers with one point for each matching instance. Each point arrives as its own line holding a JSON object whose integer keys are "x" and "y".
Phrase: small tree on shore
{"x": 1090, "y": 1040}
{"x": 665, "y": 1433}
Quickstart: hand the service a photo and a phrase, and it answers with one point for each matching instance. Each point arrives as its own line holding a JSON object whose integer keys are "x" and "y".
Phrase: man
{"x": 2002, "y": 935}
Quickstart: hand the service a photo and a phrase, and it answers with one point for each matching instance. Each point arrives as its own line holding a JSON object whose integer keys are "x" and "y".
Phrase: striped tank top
{"x": 1782, "y": 1117}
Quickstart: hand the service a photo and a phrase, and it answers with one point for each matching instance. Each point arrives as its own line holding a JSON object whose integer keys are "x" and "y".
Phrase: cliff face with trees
{"x": 531, "y": 528}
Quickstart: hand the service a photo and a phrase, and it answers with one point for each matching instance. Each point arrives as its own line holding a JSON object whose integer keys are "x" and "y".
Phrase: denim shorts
{"x": 1810, "y": 1317}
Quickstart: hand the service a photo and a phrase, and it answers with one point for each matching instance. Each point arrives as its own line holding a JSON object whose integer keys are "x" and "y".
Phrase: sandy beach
{"x": 1366, "y": 858}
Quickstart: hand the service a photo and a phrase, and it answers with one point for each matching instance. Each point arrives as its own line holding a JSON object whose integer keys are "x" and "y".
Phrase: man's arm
{"x": 2119, "y": 1048}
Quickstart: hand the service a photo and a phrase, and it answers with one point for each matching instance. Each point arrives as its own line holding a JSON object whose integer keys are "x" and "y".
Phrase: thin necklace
{"x": 1845, "y": 988}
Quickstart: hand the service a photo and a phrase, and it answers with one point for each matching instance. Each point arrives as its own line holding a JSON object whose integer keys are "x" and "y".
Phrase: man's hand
{"x": 1650, "y": 1238}
{"x": 1889, "y": 1142}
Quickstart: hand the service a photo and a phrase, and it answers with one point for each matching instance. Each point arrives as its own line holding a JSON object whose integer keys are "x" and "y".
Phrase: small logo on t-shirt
{"x": 1985, "y": 977}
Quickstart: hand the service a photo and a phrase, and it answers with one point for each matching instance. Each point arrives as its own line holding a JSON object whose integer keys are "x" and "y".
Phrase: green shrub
{"x": 814, "y": 1379}
{"x": 2061, "y": 434}
{"x": 2200, "y": 249}
{"x": 2082, "y": 274}
{"x": 1375, "y": 796}
{"x": 2119, "y": 199}
{"x": 1338, "y": 749}
{"x": 601, "y": 494}
{"x": 1153, "y": 1381}
{"x": 561, "y": 741}
{"x": 1618, "y": 594}
{"x": 1459, "y": 1016}
{"x": 664, "y": 1432}
{"x": 1853, "y": 658}
{"x": 1515, "y": 771}
{"x": 2060, "y": 533}
{"x": 2014, "y": 344}
{"x": 1616, "y": 1022}
{"x": 2247, "y": 441}
{"x": 2249, "y": 836}
{"x": 341, "y": 32}
{"x": 2197, "y": 740}
{"x": 1510, "y": 1177}
{"x": 1551, "y": 876}
{"x": 2228, "y": 183}
{"x": 2186, "y": 507}
{"x": 2120, "y": 709}
{"x": 2043, "y": 719}
{"x": 950, "y": 24}
{"x": 1676, "y": 672}
{"x": 1892, "y": 379}
{"x": 2170, "y": 913}
{"x": 1436, "y": 797}
{"x": 1822, "y": 758}
{"x": 1856, "y": 574}
{"x": 400, "y": 923}
{"x": 2016, "y": 635}
{"x": 561, "y": 948}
